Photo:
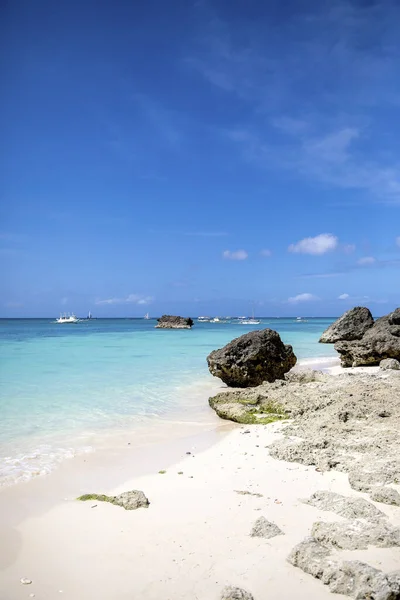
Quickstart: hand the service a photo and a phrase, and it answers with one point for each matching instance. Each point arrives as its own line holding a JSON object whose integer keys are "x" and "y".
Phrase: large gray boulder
{"x": 251, "y": 359}
{"x": 172, "y": 322}
{"x": 381, "y": 341}
{"x": 350, "y": 326}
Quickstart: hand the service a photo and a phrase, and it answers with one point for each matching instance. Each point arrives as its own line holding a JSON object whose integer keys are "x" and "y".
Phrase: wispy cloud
{"x": 131, "y": 299}
{"x": 266, "y": 253}
{"x": 305, "y": 297}
{"x": 366, "y": 261}
{"x": 320, "y": 244}
{"x": 235, "y": 254}
{"x": 398, "y": 241}
{"x": 343, "y": 297}
{"x": 13, "y": 304}
{"x": 311, "y": 91}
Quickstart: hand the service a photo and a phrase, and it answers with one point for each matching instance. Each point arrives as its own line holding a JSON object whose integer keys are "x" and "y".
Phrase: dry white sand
{"x": 191, "y": 541}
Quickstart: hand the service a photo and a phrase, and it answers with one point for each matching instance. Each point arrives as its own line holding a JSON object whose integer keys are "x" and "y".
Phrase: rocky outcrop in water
{"x": 381, "y": 341}
{"x": 350, "y": 326}
{"x": 361, "y": 341}
{"x": 172, "y": 322}
{"x": 251, "y": 359}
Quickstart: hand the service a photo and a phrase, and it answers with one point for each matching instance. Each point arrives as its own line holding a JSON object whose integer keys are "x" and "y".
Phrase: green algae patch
{"x": 128, "y": 500}
{"x": 99, "y": 497}
{"x": 162, "y": 472}
{"x": 247, "y": 408}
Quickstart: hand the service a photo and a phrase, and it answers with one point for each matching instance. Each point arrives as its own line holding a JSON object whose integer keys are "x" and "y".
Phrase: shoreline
{"x": 156, "y": 428}
{"x": 196, "y": 529}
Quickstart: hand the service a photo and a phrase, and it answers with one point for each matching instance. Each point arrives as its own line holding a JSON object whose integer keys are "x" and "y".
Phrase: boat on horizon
{"x": 67, "y": 318}
{"x": 146, "y": 316}
{"x": 249, "y": 320}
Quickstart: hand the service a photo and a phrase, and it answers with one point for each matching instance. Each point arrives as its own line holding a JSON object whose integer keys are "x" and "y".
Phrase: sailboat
{"x": 251, "y": 321}
{"x": 146, "y": 316}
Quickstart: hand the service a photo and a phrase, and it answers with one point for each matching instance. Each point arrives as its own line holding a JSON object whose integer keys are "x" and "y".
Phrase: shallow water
{"x": 65, "y": 388}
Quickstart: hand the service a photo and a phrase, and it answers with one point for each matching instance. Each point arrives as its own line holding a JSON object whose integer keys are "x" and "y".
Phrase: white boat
{"x": 146, "y": 316}
{"x": 248, "y": 321}
{"x": 67, "y": 318}
{"x": 89, "y": 315}
{"x": 300, "y": 320}
{"x": 204, "y": 319}
{"x": 215, "y": 320}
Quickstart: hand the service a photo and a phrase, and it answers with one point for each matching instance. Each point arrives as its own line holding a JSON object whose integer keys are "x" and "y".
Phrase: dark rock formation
{"x": 394, "y": 317}
{"x": 128, "y": 500}
{"x": 379, "y": 342}
{"x": 265, "y": 529}
{"x": 251, "y": 359}
{"x": 171, "y": 322}
{"x": 350, "y": 326}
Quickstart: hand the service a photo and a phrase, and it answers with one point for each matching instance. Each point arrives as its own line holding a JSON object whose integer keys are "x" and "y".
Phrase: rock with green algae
{"x": 128, "y": 500}
{"x": 245, "y": 408}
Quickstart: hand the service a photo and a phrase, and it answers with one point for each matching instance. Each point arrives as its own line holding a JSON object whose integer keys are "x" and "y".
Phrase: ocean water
{"x": 64, "y": 388}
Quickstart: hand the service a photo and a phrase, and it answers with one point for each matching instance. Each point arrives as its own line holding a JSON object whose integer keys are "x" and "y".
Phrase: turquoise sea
{"x": 64, "y": 388}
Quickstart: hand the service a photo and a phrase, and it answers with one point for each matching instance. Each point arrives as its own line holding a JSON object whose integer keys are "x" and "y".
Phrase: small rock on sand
{"x": 386, "y": 495}
{"x": 26, "y": 581}
{"x": 235, "y": 593}
{"x": 265, "y": 529}
{"x": 389, "y": 364}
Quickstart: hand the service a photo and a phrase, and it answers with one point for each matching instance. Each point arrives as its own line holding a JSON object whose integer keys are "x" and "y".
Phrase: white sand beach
{"x": 192, "y": 540}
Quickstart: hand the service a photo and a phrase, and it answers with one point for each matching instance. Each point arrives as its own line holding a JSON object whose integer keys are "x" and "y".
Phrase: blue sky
{"x": 199, "y": 157}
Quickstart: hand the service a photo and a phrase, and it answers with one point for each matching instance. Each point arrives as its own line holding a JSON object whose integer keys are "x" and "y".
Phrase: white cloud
{"x": 366, "y": 261}
{"x": 235, "y": 254}
{"x": 343, "y": 297}
{"x": 325, "y": 242}
{"x": 131, "y": 299}
{"x": 267, "y": 253}
{"x": 64, "y": 300}
{"x": 398, "y": 241}
{"x": 302, "y": 298}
